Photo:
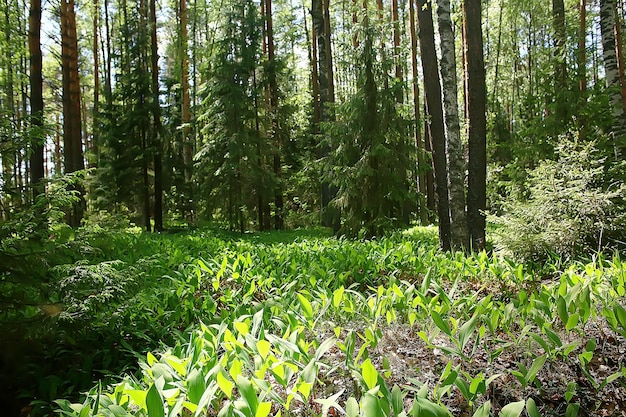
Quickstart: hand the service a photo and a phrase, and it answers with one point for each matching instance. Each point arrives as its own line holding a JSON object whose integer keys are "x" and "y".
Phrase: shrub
{"x": 569, "y": 209}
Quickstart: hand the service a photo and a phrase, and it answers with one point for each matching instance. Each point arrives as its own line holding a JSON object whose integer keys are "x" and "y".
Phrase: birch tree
{"x": 455, "y": 156}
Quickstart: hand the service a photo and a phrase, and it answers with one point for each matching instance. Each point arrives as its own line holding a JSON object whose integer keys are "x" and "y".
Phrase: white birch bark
{"x": 454, "y": 149}
{"x": 611, "y": 69}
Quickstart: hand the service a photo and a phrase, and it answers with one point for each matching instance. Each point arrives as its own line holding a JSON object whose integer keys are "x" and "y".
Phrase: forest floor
{"x": 322, "y": 326}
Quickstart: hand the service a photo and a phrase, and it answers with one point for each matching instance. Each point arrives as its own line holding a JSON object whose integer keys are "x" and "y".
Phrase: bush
{"x": 569, "y": 209}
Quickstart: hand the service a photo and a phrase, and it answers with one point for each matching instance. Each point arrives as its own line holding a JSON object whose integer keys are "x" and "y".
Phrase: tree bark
{"x": 419, "y": 145}
{"x": 276, "y": 128}
{"x": 432, "y": 90}
{"x": 455, "y": 154}
{"x": 611, "y": 69}
{"x": 477, "y": 124}
{"x": 560, "y": 63}
{"x": 320, "y": 17}
{"x": 72, "y": 131}
{"x": 157, "y": 137}
{"x": 36, "y": 99}
{"x": 187, "y": 140}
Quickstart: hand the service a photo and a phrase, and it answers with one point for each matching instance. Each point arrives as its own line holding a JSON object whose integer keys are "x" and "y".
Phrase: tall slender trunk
{"x": 477, "y": 124}
{"x": 72, "y": 130}
{"x": 419, "y": 146}
{"x": 320, "y": 17}
{"x": 36, "y": 98}
{"x": 560, "y": 63}
{"x": 432, "y": 89}
{"x": 455, "y": 155}
{"x": 188, "y": 142}
{"x": 276, "y": 128}
{"x": 611, "y": 69}
{"x": 157, "y": 137}
{"x": 96, "y": 89}
{"x": 582, "y": 49}
{"x": 108, "y": 88}
{"x": 619, "y": 47}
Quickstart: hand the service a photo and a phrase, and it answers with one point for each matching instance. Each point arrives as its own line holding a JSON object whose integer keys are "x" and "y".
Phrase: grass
{"x": 299, "y": 323}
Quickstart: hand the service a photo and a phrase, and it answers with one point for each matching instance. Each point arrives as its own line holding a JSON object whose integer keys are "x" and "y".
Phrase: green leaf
{"x": 338, "y": 296}
{"x": 572, "y": 321}
{"x": 370, "y": 375}
{"x": 425, "y": 408}
{"x": 154, "y": 403}
{"x": 572, "y": 410}
{"x": 513, "y": 409}
{"x": 483, "y": 410}
{"x": 535, "y": 367}
{"x": 531, "y": 408}
{"x": 561, "y": 308}
{"x": 442, "y": 324}
{"x": 195, "y": 386}
{"x": 225, "y": 384}
{"x": 306, "y": 306}
{"x": 397, "y": 400}
{"x": 264, "y": 409}
{"x": 371, "y": 406}
{"x": 466, "y": 331}
{"x": 247, "y": 392}
{"x": 352, "y": 407}
{"x": 264, "y": 347}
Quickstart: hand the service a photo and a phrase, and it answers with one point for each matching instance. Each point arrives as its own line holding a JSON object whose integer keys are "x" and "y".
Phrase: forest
{"x": 316, "y": 208}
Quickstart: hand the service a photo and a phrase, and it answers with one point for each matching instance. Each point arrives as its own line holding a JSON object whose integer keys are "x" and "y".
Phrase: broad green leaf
{"x": 513, "y": 409}
{"x": 247, "y": 392}
{"x": 442, "y": 324}
{"x": 535, "y": 367}
{"x": 371, "y": 406}
{"x": 531, "y": 408}
{"x": 572, "y": 322}
{"x": 154, "y": 403}
{"x": 264, "y": 347}
{"x": 324, "y": 347}
{"x": 151, "y": 359}
{"x": 306, "y": 306}
{"x": 352, "y": 407}
{"x": 195, "y": 386}
{"x": 338, "y": 296}
{"x": 425, "y": 408}
{"x": 225, "y": 384}
{"x": 242, "y": 327}
{"x": 263, "y": 409}
{"x": 397, "y": 400}
{"x": 465, "y": 332}
{"x": 561, "y": 308}
{"x": 483, "y": 410}
{"x": 370, "y": 375}
{"x": 572, "y": 410}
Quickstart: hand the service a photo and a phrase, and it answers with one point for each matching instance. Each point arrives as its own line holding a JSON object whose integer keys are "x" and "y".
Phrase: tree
{"x": 435, "y": 124}
{"x": 157, "y": 135}
{"x": 36, "y": 98}
{"x": 455, "y": 155}
{"x": 477, "y": 124}
{"x": 72, "y": 120}
{"x": 560, "y": 63}
{"x": 612, "y": 77}
{"x": 320, "y": 15}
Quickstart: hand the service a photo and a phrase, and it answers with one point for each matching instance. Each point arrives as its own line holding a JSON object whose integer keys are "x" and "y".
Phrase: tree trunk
{"x": 560, "y": 63}
{"x": 419, "y": 146}
{"x": 72, "y": 131}
{"x": 611, "y": 69}
{"x": 186, "y": 115}
{"x": 619, "y": 46}
{"x": 454, "y": 149}
{"x": 157, "y": 137}
{"x": 477, "y": 124}
{"x": 432, "y": 90}
{"x": 321, "y": 27}
{"x": 93, "y": 162}
{"x": 36, "y": 98}
{"x": 276, "y": 128}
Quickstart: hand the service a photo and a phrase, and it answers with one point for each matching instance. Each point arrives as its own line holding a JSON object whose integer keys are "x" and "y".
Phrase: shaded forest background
{"x": 362, "y": 116}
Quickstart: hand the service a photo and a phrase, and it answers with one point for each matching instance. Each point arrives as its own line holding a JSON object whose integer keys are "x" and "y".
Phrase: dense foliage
{"x": 302, "y": 323}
